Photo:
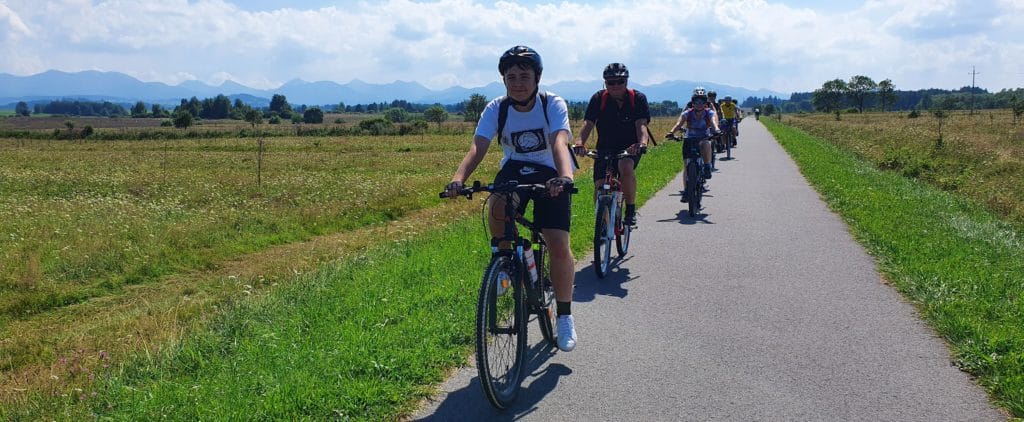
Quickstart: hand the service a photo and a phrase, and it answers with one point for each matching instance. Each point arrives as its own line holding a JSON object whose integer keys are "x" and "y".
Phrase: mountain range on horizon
{"x": 122, "y": 88}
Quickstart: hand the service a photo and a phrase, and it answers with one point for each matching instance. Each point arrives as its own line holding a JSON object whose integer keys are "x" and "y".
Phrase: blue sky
{"x": 786, "y": 46}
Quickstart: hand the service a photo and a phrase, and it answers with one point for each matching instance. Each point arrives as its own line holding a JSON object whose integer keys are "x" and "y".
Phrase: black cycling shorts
{"x": 548, "y": 212}
{"x": 601, "y": 165}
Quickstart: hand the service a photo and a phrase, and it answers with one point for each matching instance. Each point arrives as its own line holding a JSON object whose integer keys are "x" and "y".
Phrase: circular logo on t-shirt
{"x": 529, "y": 141}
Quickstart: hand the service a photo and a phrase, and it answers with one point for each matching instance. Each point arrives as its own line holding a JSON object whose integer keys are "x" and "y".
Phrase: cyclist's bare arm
{"x": 563, "y": 162}
{"x": 477, "y": 151}
{"x": 588, "y": 126}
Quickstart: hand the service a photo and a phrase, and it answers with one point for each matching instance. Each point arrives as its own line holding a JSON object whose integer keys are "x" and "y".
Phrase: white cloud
{"x": 751, "y": 43}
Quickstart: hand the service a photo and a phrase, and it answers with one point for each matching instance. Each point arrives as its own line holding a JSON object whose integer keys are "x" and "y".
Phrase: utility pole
{"x": 973, "y": 74}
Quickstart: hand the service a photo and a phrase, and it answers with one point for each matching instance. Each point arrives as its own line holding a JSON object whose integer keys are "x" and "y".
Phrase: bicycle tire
{"x": 546, "y": 311}
{"x": 693, "y": 187}
{"x": 501, "y": 332}
{"x": 728, "y": 146}
{"x": 602, "y": 237}
{"x": 622, "y": 234}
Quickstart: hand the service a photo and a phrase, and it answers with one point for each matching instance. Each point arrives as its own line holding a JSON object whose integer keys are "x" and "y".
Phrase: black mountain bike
{"x": 693, "y": 191}
{"x": 516, "y": 283}
{"x": 609, "y": 213}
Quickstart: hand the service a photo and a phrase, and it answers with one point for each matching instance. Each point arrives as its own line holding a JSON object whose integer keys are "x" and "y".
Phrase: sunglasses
{"x": 614, "y": 82}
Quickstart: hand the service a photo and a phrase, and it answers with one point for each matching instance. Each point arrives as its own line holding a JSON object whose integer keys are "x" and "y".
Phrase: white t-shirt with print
{"x": 527, "y": 137}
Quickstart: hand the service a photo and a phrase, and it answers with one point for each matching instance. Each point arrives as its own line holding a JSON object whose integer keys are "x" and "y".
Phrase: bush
{"x": 166, "y": 123}
{"x": 87, "y": 131}
{"x": 377, "y": 126}
{"x": 913, "y": 114}
{"x": 851, "y": 110}
{"x": 313, "y": 115}
{"x": 274, "y": 120}
{"x": 338, "y": 121}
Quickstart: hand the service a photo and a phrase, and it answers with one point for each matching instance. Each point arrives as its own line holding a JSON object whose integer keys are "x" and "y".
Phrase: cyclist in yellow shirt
{"x": 730, "y": 114}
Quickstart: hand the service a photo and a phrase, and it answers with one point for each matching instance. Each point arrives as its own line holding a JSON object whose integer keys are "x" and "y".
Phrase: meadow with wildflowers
{"x": 979, "y": 156}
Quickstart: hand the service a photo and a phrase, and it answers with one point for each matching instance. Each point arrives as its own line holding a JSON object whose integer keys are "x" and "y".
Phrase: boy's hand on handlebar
{"x": 557, "y": 184}
{"x": 579, "y": 149}
{"x": 452, "y": 189}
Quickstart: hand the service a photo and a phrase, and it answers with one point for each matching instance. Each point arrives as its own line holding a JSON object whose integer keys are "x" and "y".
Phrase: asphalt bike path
{"x": 761, "y": 308}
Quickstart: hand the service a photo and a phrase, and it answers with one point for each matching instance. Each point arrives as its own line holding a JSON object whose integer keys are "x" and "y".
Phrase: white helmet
{"x": 699, "y": 91}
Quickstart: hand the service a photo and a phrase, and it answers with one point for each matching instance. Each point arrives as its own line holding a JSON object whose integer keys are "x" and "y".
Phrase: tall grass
{"x": 980, "y": 156}
{"x": 962, "y": 266}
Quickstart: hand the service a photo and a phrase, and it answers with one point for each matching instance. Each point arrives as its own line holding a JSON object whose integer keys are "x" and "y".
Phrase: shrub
{"x": 313, "y": 115}
{"x": 851, "y": 110}
{"x": 166, "y": 123}
{"x": 377, "y": 126}
{"x": 913, "y": 114}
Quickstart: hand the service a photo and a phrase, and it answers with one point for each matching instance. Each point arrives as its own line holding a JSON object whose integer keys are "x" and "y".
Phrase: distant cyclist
{"x": 730, "y": 114}
{"x": 535, "y": 142}
{"x": 700, "y": 121}
{"x": 713, "y": 103}
{"x": 757, "y": 113}
{"x": 621, "y": 116}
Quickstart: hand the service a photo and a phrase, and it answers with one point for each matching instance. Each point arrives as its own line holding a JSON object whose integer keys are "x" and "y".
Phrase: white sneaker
{"x": 566, "y": 333}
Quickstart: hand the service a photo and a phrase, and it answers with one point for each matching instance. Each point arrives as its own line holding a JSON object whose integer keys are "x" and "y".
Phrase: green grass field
{"x": 360, "y": 338}
{"x": 960, "y": 264}
{"x": 979, "y": 156}
{"x": 344, "y": 289}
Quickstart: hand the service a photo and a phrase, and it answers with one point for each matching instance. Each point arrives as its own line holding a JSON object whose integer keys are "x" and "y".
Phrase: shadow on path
{"x": 470, "y": 404}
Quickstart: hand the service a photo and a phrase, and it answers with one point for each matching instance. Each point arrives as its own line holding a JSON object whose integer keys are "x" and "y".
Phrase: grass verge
{"x": 363, "y": 339}
{"x": 960, "y": 265}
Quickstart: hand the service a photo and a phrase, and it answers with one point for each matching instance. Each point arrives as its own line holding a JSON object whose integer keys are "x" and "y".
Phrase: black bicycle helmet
{"x": 520, "y": 55}
{"x": 712, "y": 94}
{"x": 616, "y": 70}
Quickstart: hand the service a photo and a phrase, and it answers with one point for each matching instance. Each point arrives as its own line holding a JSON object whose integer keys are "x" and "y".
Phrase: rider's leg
{"x": 705, "y": 151}
{"x": 496, "y": 219}
{"x": 562, "y": 264}
{"x": 627, "y": 179}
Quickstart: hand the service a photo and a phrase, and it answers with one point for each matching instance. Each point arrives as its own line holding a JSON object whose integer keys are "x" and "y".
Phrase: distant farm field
{"x": 979, "y": 156}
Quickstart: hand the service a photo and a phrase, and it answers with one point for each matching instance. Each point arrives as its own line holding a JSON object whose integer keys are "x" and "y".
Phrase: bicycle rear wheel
{"x": 546, "y": 311}
{"x": 603, "y": 234}
{"x": 500, "y": 332}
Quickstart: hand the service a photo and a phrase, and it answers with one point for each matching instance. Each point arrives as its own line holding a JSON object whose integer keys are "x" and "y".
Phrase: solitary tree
{"x": 860, "y": 89}
{"x": 139, "y": 109}
{"x": 1017, "y": 105}
{"x": 182, "y": 120}
{"x": 829, "y": 97}
{"x": 436, "y": 114}
{"x": 254, "y": 117}
{"x": 22, "y": 109}
{"x": 886, "y": 93}
{"x": 313, "y": 115}
{"x": 279, "y": 104}
{"x": 396, "y": 115}
{"x": 474, "y": 107}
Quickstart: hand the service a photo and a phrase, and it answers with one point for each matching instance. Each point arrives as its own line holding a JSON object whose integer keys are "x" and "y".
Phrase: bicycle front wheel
{"x": 604, "y": 231}
{"x": 500, "y": 332}
{"x": 693, "y": 187}
{"x": 622, "y": 233}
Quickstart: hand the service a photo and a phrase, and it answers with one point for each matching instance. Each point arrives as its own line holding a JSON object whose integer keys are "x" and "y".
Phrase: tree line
{"x": 861, "y": 93}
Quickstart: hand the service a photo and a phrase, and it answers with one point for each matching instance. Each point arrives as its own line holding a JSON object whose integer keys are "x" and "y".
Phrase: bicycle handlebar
{"x": 593, "y": 153}
{"x": 509, "y": 186}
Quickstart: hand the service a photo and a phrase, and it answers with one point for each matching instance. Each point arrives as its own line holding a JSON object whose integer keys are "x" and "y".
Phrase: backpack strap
{"x": 507, "y": 102}
{"x": 632, "y": 98}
